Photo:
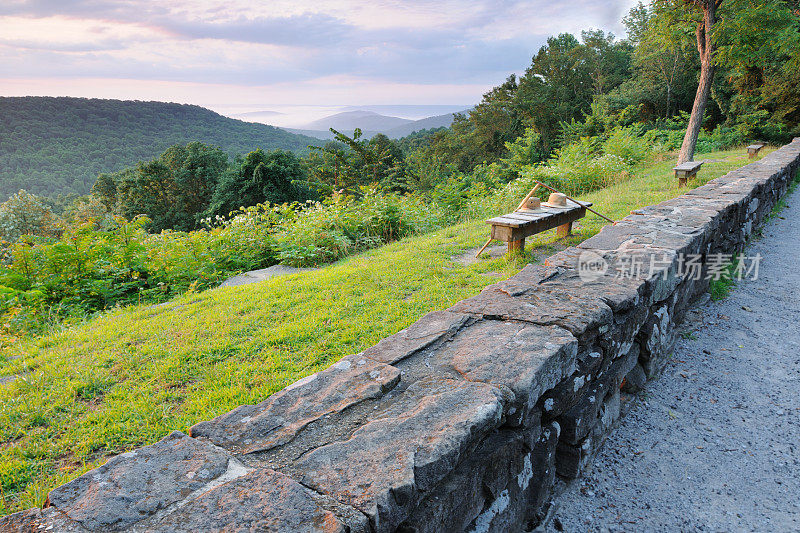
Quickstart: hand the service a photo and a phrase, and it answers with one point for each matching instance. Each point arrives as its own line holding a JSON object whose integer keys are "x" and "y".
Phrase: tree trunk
{"x": 705, "y": 46}
{"x": 669, "y": 91}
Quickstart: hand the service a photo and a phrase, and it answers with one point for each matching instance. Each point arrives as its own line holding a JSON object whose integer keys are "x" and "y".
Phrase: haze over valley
{"x": 395, "y": 121}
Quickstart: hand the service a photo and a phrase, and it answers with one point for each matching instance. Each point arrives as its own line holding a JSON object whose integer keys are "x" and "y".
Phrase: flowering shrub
{"x": 629, "y": 144}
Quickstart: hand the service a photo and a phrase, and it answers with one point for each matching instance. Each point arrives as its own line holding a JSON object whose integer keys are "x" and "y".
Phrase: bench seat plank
{"x": 525, "y": 217}
{"x": 503, "y": 221}
{"x": 689, "y": 166}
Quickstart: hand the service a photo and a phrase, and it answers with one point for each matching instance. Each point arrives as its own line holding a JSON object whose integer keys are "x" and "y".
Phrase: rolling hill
{"x": 371, "y": 124}
{"x": 349, "y": 120}
{"x": 58, "y": 145}
{"x": 438, "y": 121}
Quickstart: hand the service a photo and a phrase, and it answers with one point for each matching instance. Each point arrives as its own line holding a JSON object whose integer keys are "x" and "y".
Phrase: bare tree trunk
{"x": 705, "y": 46}
{"x": 669, "y": 91}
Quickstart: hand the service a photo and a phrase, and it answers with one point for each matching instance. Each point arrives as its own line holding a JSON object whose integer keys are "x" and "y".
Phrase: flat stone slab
{"x": 560, "y": 273}
{"x": 278, "y": 419}
{"x": 254, "y": 276}
{"x": 627, "y": 235}
{"x": 526, "y": 358}
{"x": 630, "y": 276}
{"x": 405, "y": 449}
{"x": 35, "y": 520}
{"x": 135, "y": 485}
{"x": 538, "y": 303}
{"x": 263, "y": 500}
{"x": 428, "y": 330}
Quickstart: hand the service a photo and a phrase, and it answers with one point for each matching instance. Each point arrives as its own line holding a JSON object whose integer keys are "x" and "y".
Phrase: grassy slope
{"x": 130, "y": 377}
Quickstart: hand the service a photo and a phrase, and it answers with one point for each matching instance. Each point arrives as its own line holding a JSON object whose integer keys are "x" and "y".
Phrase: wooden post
{"x": 682, "y": 180}
{"x": 564, "y": 230}
{"x": 516, "y": 246}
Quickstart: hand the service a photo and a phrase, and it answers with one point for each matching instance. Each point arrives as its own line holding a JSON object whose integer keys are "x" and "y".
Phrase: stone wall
{"x": 461, "y": 421}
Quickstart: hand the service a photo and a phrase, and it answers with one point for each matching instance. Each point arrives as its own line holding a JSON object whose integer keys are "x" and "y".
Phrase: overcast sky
{"x": 236, "y": 52}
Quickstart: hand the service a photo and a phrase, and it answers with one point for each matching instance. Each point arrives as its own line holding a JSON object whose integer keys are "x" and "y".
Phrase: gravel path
{"x": 714, "y": 444}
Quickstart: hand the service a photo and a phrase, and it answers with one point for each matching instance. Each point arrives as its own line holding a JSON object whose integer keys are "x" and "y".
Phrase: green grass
{"x": 781, "y": 204}
{"x": 689, "y": 335}
{"x": 719, "y": 289}
{"x": 128, "y": 378}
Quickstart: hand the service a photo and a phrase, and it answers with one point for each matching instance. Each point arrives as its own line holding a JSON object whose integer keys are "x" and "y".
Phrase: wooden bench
{"x": 685, "y": 171}
{"x": 514, "y": 227}
{"x": 753, "y": 149}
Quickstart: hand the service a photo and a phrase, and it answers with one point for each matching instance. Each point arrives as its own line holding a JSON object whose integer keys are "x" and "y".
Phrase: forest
{"x": 587, "y": 110}
{"x": 57, "y": 146}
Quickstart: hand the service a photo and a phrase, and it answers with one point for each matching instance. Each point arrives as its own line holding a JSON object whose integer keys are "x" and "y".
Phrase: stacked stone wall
{"x": 460, "y": 422}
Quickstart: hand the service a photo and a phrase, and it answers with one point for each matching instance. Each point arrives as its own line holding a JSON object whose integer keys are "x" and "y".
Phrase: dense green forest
{"x": 58, "y": 146}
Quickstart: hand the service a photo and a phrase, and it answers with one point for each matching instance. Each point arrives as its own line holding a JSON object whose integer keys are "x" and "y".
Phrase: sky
{"x": 239, "y": 56}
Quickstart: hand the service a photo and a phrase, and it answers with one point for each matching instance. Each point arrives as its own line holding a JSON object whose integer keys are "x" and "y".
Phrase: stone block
{"x": 635, "y": 381}
{"x": 526, "y": 359}
{"x": 135, "y": 485}
{"x": 261, "y": 500}
{"x": 405, "y": 450}
{"x": 578, "y": 420}
{"x": 35, "y": 520}
{"x": 572, "y": 458}
{"x": 280, "y": 418}
{"x": 520, "y": 501}
{"x": 657, "y": 340}
{"x": 432, "y": 328}
{"x": 501, "y": 459}
{"x": 563, "y": 396}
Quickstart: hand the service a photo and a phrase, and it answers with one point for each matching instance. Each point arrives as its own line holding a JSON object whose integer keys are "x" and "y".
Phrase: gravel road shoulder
{"x": 714, "y": 444}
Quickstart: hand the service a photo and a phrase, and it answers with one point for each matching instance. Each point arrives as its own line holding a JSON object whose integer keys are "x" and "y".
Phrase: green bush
{"x": 580, "y": 167}
{"x": 629, "y": 144}
{"x": 327, "y": 231}
{"x": 668, "y": 136}
{"x": 459, "y": 198}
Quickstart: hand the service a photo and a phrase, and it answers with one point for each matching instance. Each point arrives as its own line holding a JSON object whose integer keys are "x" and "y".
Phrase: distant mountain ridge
{"x": 58, "y": 145}
{"x": 438, "y": 121}
{"x": 371, "y": 124}
{"x": 349, "y": 120}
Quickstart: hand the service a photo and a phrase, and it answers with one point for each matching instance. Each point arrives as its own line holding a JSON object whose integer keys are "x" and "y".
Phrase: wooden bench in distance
{"x": 753, "y": 149}
{"x": 685, "y": 171}
{"x": 514, "y": 227}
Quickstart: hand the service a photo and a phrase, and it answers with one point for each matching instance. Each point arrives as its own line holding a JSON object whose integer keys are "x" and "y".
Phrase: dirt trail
{"x": 714, "y": 444}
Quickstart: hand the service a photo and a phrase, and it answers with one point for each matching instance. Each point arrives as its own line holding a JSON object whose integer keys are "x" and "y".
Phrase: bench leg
{"x": 751, "y": 154}
{"x": 516, "y": 246}
{"x": 682, "y": 181}
{"x": 564, "y": 229}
